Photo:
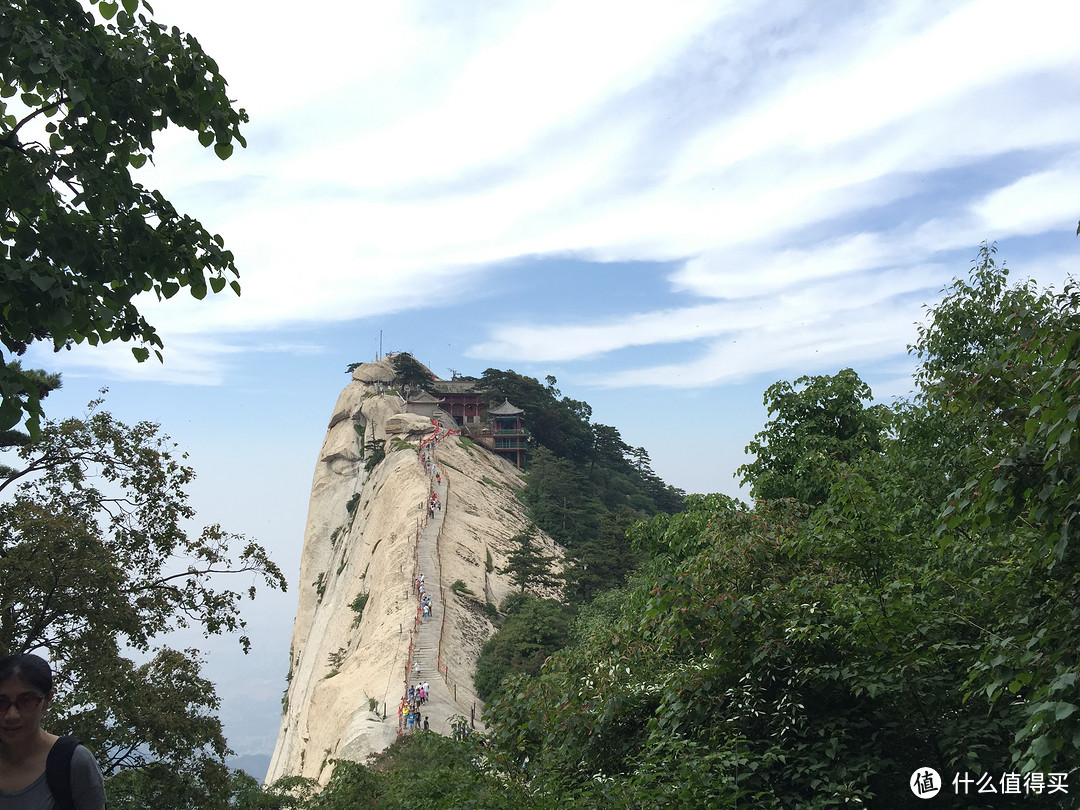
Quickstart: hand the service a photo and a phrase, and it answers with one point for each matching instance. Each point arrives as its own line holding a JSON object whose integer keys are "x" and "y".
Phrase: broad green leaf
{"x": 1064, "y": 710}
{"x": 223, "y": 150}
{"x": 108, "y": 9}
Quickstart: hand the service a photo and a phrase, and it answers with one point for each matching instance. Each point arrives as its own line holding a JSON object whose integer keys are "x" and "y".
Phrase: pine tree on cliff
{"x": 527, "y": 565}
{"x": 410, "y": 373}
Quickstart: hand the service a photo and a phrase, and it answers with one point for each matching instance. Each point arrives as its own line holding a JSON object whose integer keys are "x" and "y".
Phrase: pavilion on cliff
{"x": 507, "y": 432}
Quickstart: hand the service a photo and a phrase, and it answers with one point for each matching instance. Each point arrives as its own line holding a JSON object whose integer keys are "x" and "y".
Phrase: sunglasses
{"x": 22, "y": 702}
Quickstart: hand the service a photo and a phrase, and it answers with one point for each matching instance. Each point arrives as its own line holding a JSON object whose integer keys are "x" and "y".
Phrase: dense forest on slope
{"x": 585, "y": 487}
{"x": 917, "y": 607}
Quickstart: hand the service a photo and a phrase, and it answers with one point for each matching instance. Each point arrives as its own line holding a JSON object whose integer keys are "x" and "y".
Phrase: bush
{"x": 533, "y": 630}
{"x": 358, "y": 606}
{"x": 459, "y": 588}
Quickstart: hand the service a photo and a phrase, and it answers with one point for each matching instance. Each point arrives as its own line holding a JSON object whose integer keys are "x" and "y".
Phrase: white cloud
{"x": 805, "y": 314}
{"x": 1034, "y": 204}
{"x": 773, "y": 149}
{"x": 188, "y": 360}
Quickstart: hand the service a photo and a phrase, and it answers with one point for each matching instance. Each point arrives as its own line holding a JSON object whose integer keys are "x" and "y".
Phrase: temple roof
{"x": 423, "y": 398}
{"x": 455, "y": 386}
{"x": 506, "y": 409}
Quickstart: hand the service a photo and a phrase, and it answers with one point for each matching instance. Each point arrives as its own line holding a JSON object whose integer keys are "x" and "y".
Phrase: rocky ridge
{"x": 368, "y": 536}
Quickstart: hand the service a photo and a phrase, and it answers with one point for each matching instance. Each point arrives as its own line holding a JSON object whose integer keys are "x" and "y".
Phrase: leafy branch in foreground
{"x": 81, "y": 99}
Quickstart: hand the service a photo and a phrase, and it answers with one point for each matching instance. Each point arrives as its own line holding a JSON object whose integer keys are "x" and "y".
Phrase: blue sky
{"x": 666, "y": 206}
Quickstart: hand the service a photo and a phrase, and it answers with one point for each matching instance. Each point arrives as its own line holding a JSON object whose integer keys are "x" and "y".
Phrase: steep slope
{"x": 370, "y": 535}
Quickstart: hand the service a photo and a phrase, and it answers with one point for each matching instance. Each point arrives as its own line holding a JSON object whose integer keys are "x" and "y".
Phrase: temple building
{"x": 461, "y": 399}
{"x": 423, "y": 403}
{"x": 508, "y": 435}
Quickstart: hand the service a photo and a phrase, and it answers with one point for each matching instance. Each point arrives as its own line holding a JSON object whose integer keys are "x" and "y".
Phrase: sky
{"x": 667, "y": 206}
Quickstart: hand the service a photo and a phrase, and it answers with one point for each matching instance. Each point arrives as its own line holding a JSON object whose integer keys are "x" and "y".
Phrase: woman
{"x": 26, "y": 690}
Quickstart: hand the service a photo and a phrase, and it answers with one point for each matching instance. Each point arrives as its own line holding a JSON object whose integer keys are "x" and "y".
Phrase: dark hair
{"x": 33, "y": 669}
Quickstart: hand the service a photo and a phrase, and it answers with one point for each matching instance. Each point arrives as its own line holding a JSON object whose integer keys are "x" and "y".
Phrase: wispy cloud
{"x": 800, "y": 160}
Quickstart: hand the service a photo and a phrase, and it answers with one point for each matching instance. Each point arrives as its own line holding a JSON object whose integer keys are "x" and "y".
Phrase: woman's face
{"x": 21, "y": 709}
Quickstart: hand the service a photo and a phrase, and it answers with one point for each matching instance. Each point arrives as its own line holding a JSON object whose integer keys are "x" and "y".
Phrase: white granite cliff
{"x": 339, "y": 668}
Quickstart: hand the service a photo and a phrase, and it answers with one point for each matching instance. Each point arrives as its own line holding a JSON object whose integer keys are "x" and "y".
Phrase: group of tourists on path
{"x": 410, "y": 708}
{"x": 426, "y": 456}
{"x": 425, "y": 598}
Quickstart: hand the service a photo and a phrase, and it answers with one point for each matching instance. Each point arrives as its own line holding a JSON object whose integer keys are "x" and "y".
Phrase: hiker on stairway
{"x": 39, "y": 769}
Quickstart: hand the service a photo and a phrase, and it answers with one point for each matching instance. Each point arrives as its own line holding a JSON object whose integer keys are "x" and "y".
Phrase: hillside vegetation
{"x": 920, "y": 610}
{"x": 585, "y": 487}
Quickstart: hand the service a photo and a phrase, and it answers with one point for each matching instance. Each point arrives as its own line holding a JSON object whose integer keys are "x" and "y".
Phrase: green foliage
{"x": 423, "y": 770}
{"x": 159, "y": 785}
{"x": 527, "y": 565}
{"x": 602, "y": 562}
{"x": 37, "y": 385}
{"x": 335, "y": 660}
{"x": 96, "y": 562}
{"x": 357, "y": 606}
{"x": 921, "y": 613}
{"x": 533, "y": 629}
{"x": 410, "y": 373}
{"x": 587, "y": 505}
{"x": 1004, "y": 363}
{"x": 81, "y": 99}
{"x": 350, "y": 507}
{"x": 818, "y": 424}
{"x": 615, "y": 474}
{"x": 460, "y": 588}
{"x": 489, "y": 564}
{"x": 290, "y": 793}
{"x": 376, "y": 452}
{"x": 585, "y": 502}
{"x": 561, "y": 500}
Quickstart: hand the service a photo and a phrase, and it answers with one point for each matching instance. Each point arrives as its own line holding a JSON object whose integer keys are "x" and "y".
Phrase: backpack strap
{"x": 58, "y": 771}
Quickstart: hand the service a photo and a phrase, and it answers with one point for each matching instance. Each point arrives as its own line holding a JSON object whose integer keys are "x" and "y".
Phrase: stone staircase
{"x": 445, "y": 699}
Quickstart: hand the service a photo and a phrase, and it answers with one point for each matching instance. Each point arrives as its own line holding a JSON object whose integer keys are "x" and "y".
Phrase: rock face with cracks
{"x": 358, "y": 640}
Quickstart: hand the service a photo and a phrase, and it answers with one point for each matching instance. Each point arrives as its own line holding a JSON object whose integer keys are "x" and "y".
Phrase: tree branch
{"x": 9, "y": 139}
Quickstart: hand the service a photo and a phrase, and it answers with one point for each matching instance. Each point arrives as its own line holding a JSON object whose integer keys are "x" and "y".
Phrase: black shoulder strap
{"x": 58, "y": 771}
